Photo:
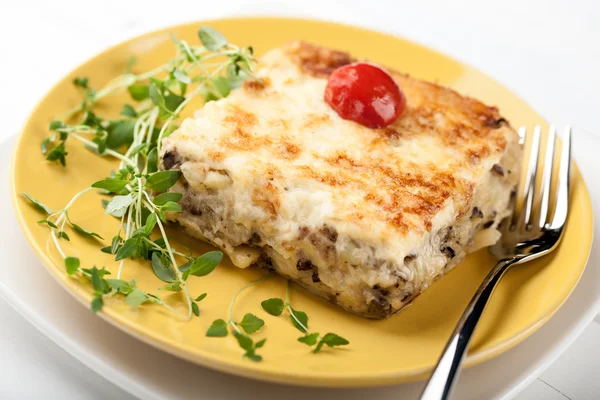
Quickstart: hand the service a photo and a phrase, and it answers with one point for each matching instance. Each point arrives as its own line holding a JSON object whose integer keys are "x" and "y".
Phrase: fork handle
{"x": 444, "y": 375}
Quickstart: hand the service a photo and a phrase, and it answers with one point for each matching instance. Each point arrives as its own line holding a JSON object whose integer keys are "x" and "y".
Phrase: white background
{"x": 546, "y": 51}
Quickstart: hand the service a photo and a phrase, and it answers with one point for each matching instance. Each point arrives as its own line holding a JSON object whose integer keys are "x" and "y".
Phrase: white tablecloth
{"x": 546, "y": 51}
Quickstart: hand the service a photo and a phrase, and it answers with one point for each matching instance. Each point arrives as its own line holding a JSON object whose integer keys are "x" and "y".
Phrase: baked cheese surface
{"x": 367, "y": 218}
{"x": 293, "y": 161}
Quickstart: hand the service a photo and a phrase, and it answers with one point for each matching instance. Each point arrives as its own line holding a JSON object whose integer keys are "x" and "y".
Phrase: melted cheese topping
{"x": 283, "y": 159}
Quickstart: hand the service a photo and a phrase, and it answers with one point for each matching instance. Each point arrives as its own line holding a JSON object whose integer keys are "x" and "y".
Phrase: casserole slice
{"x": 366, "y": 218}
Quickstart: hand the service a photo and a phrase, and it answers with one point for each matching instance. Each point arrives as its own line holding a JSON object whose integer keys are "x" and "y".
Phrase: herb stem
{"x": 149, "y": 203}
{"x": 152, "y": 123}
{"x": 231, "y": 322}
{"x": 197, "y": 91}
{"x": 120, "y": 82}
{"x": 175, "y": 268}
{"x": 162, "y": 94}
{"x": 177, "y": 253}
{"x": 58, "y": 247}
{"x": 291, "y": 311}
{"x": 139, "y": 203}
{"x": 107, "y": 151}
{"x": 163, "y": 129}
{"x": 62, "y": 219}
{"x": 79, "y": 194}
{"x": 127, "y": 231}
{"x": 155, "y": 71}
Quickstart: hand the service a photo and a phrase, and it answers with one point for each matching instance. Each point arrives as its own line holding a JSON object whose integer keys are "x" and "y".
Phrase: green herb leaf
{"x": 195, "y": 309}
{"x": 244, "y": 341}
{"x": 154, "y": 298}
{"x": 221, "y": 86}
{"x": 331, "y": 340}
{"x": 253, "y": 356}
{"x": 128, "y": 111}
{"x": 206, "y": 263}
{"x": 112, "y": 185}
{"x": 217, "y": 329}
{"x": 210, "y": 96}
{"x": 310, "y": 340}
{"x": 136, "y": 298}
{"x": 58, "y": 154}
{"x": 99, "y": 284}
{"x": 235, "y": 76}
{"x": 55, "y": 125}
{"x": 72, "y": 265}
{"x": 38, "y": 204}
{"x": 119, "y": 285}
{"x": 164, "y": 198}
{"x": 114, "y": 245}
{"x": 251, "y": 323}
{"x": 150, "y": 223}
{"x": 247, "y": 344}
{"x": 120, "y": 133}
{"x": 106, "y": 249}
{"x": 173, "y": 101}
{"x": 128, "y": 249}
{"x": 302, "y": 317}
{"x": 97, "y": 303}
{"x": 63, "y": 234}
{"x": 139, "y": 92}
{"x": 260, "y": 344}
{"x": 171, "y": 206}
{"x": 162, "y": 180}
{"x": 173, "y": 287}
{"x": 47, "y": 222}
{"x": 185, "y": 275}
{"x": 44, "y": 145}
{"x": 85, "y": 232}
{"x": 118, "y": 203}
{"x": 211, "y": 39}
{"x": 201, "y": 297}
{"x": 182, "y": 77}
{"x": 136, "y": 149}
{"x": 81, "y": 81}
{"x": 156, "y": 95}
{"x": 152, "y": 161}
{"x": 273, "y": 306}
{"x": 160, "y": 265}
{"x": 90, "y": 119}
{"x": 116, "y": 214}
{"x": 100, "y": 140}
{"x": 185, "y": 267}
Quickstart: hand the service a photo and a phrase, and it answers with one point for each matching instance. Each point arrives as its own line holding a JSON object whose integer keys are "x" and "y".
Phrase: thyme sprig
{"x": 241, "y": 330}
{"x": 276, "y": 306}
{"x": 137, "y": 188}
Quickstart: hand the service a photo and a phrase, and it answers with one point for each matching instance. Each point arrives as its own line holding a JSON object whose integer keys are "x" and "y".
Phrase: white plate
{"x": 148, "y": 373}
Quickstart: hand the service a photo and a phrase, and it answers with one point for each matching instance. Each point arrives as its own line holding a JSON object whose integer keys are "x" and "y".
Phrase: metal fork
{"x": 530, "y": 234}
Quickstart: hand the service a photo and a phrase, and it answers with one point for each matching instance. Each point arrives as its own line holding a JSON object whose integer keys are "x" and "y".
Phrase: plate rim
{"x": 225, "y": 364}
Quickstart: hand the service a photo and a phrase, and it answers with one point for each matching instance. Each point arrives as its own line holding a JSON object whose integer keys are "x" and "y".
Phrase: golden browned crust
{"x": 469, "y": 126}
{"x": 316, "y": 60}
{"x": 405, "y": 196}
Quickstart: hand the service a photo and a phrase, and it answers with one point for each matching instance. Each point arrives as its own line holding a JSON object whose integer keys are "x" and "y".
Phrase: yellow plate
{"x": 402, "y": 348}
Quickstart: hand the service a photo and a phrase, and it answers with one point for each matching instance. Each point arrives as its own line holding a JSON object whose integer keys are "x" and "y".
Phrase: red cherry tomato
{"x": 366, "y": 94}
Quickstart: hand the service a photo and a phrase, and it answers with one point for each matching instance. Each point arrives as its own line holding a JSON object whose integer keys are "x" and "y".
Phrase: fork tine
{"x": 530, "y": 179}
{"x": 512, "y": 205}
{"x": 547, "y": 176}
{"x": 564, "y": 175}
